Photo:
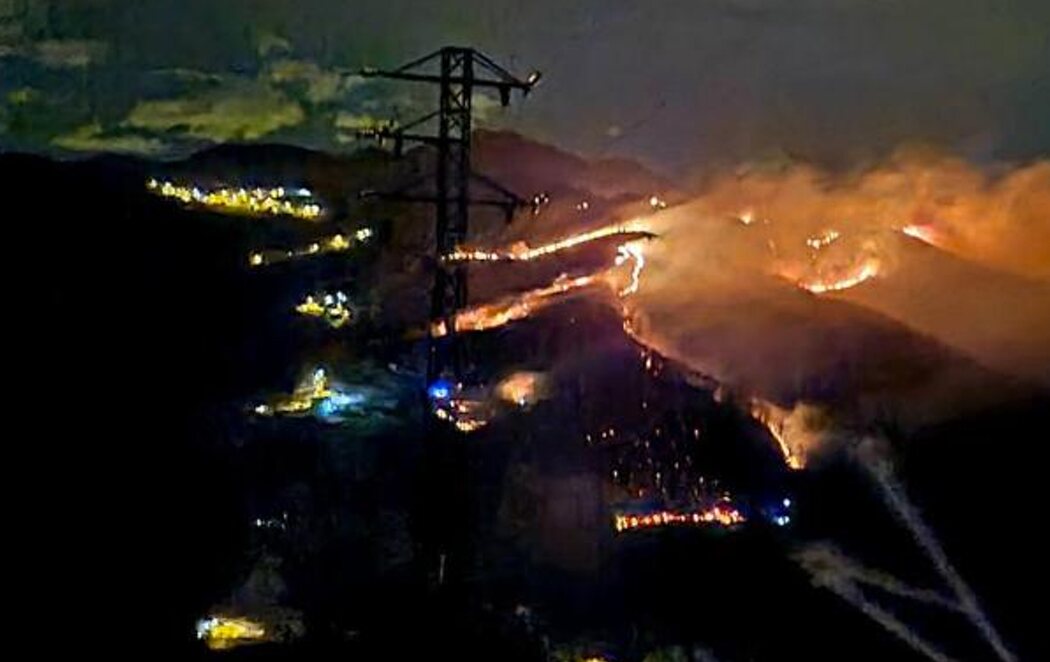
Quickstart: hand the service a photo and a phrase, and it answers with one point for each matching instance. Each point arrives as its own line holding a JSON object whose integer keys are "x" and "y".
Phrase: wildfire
{"x": 492, "y": 315}
{"x": 867, "y": 270}
{"x": 277, "y": 201}
{"x": 784, "y": 426}
{"x": 500, "y": 313}
{"x": 924, "y": 233}
{"x": 631, "y": 251}
{"x": 522, "y": 252}
{"x": 720, "y": 514}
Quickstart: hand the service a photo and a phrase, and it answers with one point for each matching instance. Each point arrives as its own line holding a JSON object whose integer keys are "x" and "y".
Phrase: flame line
{"x": 522, "y": 252}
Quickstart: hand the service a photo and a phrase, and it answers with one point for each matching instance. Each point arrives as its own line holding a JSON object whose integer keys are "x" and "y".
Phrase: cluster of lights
{"x": 273, "y": 523}
{"x": 538, "y": 202}
{"x": 331, "y": 307}
{"x": 302, "y": 400}
{"x": 222, "y": 632}
{"x": 278, "y": 201}
{"x": 333, "y": 244}
{"x": 722, "y": 514}
{"x": 656, "y": 203}
{"x": 449, "y": 404}
{"x": 521, "y": 388}
{"x": 659, "y": 461}
{"x": 823, "y": 239}
{"x": 315, "y": 396}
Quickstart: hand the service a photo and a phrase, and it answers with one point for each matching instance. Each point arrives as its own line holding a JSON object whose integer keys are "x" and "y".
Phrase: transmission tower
{"x": 457, "y": 72}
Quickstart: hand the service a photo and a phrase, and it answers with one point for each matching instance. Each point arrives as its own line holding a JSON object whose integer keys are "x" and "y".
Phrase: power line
{"x": 459, "y": 71}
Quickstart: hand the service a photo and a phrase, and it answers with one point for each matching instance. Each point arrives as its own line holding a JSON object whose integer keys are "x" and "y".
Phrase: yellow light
{"x": 222, "y": 633}
{"x": 254, "y": 202}
{"x": 722, "y": 515}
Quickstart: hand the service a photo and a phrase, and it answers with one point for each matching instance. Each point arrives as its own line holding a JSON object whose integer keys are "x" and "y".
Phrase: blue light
{"x": 440, "y": 390}
{"x": 337, "y": 402}
{"x": 326, "y": 408}
{"x": 345, "y": 400}
{"x": 787, "y": 503}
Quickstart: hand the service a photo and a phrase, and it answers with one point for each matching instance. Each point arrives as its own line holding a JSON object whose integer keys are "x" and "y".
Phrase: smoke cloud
{"x": 914, "y": 281}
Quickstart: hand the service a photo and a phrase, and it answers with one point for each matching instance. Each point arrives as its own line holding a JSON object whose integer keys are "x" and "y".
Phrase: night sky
{"x": 680, "y": 84}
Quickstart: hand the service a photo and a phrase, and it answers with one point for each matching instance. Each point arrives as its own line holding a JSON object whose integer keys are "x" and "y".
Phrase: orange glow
{"x": 721, "y": 514}
{"x": 825, "y": 238}
{"x": 511, "y": 309}
{"x": 522, "y": 252}
{"x": 492, "y": 315}
{"x": 923, "y": 233}
{"x": 776, "y": 421}
{"x": 868, "y": 270}
{"x": 521, "y": 388}
{"x": 631, "y": 251}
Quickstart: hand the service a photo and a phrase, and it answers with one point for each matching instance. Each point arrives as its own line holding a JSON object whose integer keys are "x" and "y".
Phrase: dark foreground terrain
{"x": 148, "y": 337}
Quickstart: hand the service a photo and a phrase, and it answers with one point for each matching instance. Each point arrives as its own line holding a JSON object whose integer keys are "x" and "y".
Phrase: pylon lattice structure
{"x": 458, "y": 72}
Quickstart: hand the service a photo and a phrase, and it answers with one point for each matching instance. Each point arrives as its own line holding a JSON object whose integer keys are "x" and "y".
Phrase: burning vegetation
{"x": 722, "y": 514}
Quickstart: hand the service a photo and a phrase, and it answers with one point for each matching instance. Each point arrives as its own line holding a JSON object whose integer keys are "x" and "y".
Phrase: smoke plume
{"x": 916, "y": 281}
